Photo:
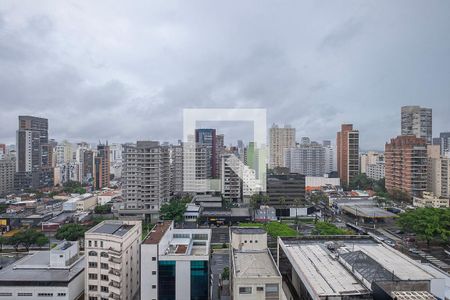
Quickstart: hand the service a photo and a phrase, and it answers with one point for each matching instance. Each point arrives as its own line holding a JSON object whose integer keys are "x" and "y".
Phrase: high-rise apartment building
{"x": 112, "y": 250}
{"x": 438, "y": 172}
{"x": 280, "y": 139}
{"x": 231, "y": 181}
{"x": 443, "y": 141}
{"x": 307, "y": 159}
{"x": 33, "y": 168}
{"x": 418, "y": 121}
{"x": 406, "y": 165}
{"x": 7, "y": 168}
{"x": 145, "y": 179}
{"x": 347, "y": 146}
{"x": 330, "y": 157}
{"x": 207, "y": 138}
{"x": 102, "y": 167}
{"x": 87, "y": 173}
{"x": 176, "y": 169}
{"x": 2, "y": 150}
{"x": 175, "y": 263}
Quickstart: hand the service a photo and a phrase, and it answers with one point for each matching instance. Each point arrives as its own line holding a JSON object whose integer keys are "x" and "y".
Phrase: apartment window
{"x": 93, "y": 298}
{"x": 93, "y": 288}
{"x": 92, "y": 276}
{"x": 104, "y": 289}
{"x": 259, "y": 288}
{"x": 271, "y": 290}
{"x": 92, "y": 253}
{"x": 104, "y": 277}
{"x": 153, "y": 272}
{"x": 104, "y": 266}
{"x": 153, "y": 258}
{"x": 45, "y": 294}
{"x": 92, "y": 264}
{"x": 24, "y": 294}
{"x": 153, "y": 286}
{"x": 61, "y": 294}
{"x": 101, "y": 244}
{"x": 5, "y": 294}
{"x": 104, "y": 254}
{"x": 245, "y": 290}
{"x": 95, "y": 243}
{"x": 90, "y": 243}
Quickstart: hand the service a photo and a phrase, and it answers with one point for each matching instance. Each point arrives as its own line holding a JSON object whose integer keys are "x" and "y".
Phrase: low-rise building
{"x": 316, "y": 183}
{"x": 430, "y": 200}
{"x": 112, "y": 260}
{"x": 55, "y": 274}
{"x": 207, "y": 200}
{"x": 254, "y": 274}
{"x": 353, "y": 267}
{"x": 175, "y": 263}
{"x": 108, "y": 196}
{"x": 80, "y": 203}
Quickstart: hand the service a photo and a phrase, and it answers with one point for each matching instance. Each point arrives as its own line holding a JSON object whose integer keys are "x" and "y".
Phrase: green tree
{"x": 427, "y": 223}
{"x": 326, "y": 228}
{"x": 73, "y": 187}
{"x": 400, "y": 195}
{"x": 3, "y": 241}
{"x": 42, "y": 241}
{"x": 14, "y": 241}
{"x": 70, "y": 232}
{"x": 26, "y": 238}
{"x": 174, "y": 209}
{"x": 226, "y": 273}
{"x": 3, "y": 208}
{"x": 282, "y": 201}
{"x": 103, "y": 209}
{"x": 255, "y": 201}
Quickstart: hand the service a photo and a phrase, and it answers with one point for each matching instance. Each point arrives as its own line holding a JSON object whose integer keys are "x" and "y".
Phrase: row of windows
{"x": 94, "y": 288}
{"x": 94, "y": 253}
{"x": 95, "y": 265}
{"x": 271, "y": 290}
{"x": 95, "y": 277}
{"x": 31, "y": 294}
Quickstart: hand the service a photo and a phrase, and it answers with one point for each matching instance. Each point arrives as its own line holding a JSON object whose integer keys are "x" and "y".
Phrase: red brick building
{"x": 406, "y": 165}
{"x": 347, "y": 150}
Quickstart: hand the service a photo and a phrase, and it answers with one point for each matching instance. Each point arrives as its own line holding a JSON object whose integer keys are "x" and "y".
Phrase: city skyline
{"x": 99, "y": 72}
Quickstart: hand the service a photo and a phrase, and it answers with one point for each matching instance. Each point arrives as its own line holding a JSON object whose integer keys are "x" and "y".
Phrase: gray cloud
{"x": 123, "y": 73}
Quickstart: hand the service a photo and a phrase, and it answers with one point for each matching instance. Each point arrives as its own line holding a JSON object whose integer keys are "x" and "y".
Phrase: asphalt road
{"x": 220, "y": 235}
{"x": 219, "y": 260}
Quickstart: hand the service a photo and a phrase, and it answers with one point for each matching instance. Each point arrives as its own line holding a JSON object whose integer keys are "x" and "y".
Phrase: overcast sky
{"x": 124, "y": 72}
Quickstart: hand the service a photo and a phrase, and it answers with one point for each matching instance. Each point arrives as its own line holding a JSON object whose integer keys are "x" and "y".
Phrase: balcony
{"x": 114, "y": 271}
{"x": 114, "y": 260}
{"x": 114, "y": 296}
{"x": 115, "y": 284}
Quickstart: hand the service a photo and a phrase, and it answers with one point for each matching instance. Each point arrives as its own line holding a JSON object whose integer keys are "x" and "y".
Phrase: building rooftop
{"x": 325, "y": 275}
{"x": 206, "y": 198}
{"x": 330, "y": 264}
{"x": 157, "y": 232}
{"x": 368, "y": 211}
{"x": 247, "y": 230}
{"x": 113, "y": 229}
{"x": 254, "y": 264}
{"x": 412, "y": 295}
{"x": 36, "y": 268}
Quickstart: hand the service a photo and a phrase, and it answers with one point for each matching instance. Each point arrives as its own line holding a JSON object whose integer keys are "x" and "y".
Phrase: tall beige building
{"x": 112, "y": 260}
{"x": 280, "y": 139}
{"x": 438, "y": 180}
